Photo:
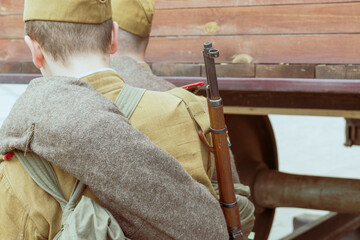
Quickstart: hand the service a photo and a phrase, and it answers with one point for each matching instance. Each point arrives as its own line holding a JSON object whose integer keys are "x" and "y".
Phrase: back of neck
{"x": 76, "y": 65}
{"x": 136, "y": 56}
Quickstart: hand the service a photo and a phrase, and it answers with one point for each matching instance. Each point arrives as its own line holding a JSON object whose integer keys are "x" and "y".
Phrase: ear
{"x": 114, "y": 38}
{"x": 36, "y": 52}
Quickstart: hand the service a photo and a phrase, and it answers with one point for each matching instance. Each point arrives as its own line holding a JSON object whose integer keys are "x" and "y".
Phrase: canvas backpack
{"x": 129, "y": 97}
{"x": 80, "y": 221}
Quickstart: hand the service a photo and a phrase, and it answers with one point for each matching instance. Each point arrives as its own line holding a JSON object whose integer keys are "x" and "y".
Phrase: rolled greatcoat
{"x": 67, "y": 122}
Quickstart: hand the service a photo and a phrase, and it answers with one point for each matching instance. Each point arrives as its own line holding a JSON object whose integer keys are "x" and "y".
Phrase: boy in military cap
{"x": 75, "y": 38}
{"x": 135, "y": 22}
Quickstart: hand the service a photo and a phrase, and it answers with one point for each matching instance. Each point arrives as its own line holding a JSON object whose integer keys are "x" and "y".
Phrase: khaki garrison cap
{"x": 134, "y": 16}
{"x": 76, "y": 11}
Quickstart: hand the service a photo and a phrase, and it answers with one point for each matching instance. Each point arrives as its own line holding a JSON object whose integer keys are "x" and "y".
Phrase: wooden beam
{"x": 302, "y": 48}
{"x": 332, "y": 226}
{"x": 353, "y": 72}
{"x": 14, "y": 50}
{"x": 169, "y": 69}
{"x": 285, "y": 71}
{"x": 11, "y": 7}
{"x": 293, "y": 19}
{"x": 292, "y": 100}
{"x": 331, "y": 49}
{"x": 237, "y": 110}
{"x": 330, "y": 71}
{"x": 18, "y": 67}
{"x": 257, "y": 93}
{"x": 254, "y": 85}
{"x": 17, "y": 6}
{"x": 273, "y": 19}
{"x": 12, "y": 26}
{"x": 288, "y": 19}
{"x": 232, "y": 70}
{"x": 165, "y": 4}
{"x": 223, "y": 70}
{"x": 302, "y": 94}
{"x": 338, "y": 71}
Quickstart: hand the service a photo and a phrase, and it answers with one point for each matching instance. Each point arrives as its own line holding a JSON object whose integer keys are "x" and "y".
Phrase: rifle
{"x": 221, "y": 146}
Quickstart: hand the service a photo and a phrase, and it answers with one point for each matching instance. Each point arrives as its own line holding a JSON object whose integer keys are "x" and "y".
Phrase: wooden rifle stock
{"x": 221, "y": 146}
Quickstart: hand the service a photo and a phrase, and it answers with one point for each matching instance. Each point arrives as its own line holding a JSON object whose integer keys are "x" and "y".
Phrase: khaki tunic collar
{"x": 105, "y": 82}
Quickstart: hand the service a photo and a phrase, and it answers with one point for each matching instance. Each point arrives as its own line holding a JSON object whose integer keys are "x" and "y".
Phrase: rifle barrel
{"x": 221, "y": 148}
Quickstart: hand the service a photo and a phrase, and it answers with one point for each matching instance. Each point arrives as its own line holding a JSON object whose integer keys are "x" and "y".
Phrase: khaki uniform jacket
{"x": 28, "y": 212}
{"x": 140, "y": 75}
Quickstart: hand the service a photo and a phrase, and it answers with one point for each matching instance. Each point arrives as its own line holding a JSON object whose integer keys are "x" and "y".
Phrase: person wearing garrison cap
{"x": 159, "y": 200}
{"x": 135, "y": 22}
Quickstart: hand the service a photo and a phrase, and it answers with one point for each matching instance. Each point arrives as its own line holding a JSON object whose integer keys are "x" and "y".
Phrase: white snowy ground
{"x": 306, "y": 145}
{"x": 8, "y": 95}
{"x": 312, "y": 146}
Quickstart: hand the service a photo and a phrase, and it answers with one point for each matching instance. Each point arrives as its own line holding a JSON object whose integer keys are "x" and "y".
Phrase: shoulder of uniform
{"x": 2, "y": 165}
{"x": 12, "y": 173}
{"x": 10, "y": 197}
{"x": 5, "y": 184}
{"x": 188, "y": 97}
{"x": 161, "y": 96}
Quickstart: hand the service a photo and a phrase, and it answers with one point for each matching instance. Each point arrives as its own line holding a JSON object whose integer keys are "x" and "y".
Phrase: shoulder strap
{"x": 43, "y": 174}
{"x": 128, "y": 99}
{"x": 195, "y": 107}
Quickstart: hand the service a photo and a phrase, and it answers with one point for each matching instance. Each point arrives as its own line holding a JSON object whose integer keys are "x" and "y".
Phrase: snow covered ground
{"x": 8, "y": 95}
{"x": 306, "y": 145}
{"x": 312, "y": 146}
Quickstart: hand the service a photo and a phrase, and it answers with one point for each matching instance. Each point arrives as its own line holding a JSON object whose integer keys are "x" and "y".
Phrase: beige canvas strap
{"x": 128, "y": 99}
{"x": 87, "y": 220}
{"x": 43, "y": 174}
{"x": 195, "y": 107}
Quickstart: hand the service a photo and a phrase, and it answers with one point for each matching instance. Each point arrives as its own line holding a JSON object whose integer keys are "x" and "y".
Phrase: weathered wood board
{"x": 330, "y": 49}
{"x": 12, "y": 27}
{"x": 259, "y": 20}
{"x": 11, "y": 6}
{"x": 16, "y": 6}
{"x": 255, "y": 32}
{"x": 285, "y": 71}
{"x": 164, "y": 4}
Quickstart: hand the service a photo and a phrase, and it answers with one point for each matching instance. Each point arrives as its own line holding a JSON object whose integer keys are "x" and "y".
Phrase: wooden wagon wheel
{"x": 254, "y": 147}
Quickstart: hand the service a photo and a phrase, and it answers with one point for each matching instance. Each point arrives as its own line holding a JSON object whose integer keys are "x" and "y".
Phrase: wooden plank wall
{"x": 258, "y": 31}
{"x": 290, "y": 38}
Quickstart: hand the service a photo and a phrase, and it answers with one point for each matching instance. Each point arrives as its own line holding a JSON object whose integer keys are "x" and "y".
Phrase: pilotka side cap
{"x": 134, "y": 16}
{"x": 76, "y": 11}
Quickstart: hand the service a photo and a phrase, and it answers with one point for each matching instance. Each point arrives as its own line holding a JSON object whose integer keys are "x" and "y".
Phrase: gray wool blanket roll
{"x": 137, "y": 75}
{"x": 67, "y": 122}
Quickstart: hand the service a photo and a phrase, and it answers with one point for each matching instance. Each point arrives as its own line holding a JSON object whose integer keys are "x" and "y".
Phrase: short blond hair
{"x": 63, "y": 39}
{"x": 130, "y": 43}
